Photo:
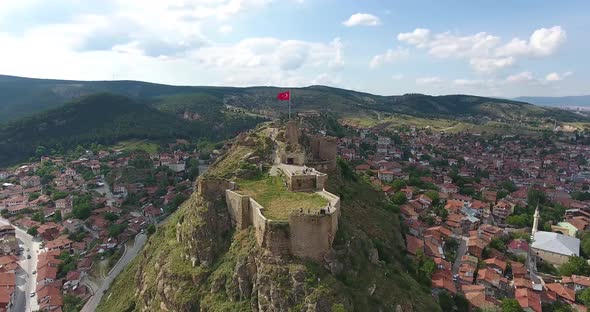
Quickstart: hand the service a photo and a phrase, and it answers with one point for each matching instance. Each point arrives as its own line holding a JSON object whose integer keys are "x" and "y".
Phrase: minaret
{"x": 535, "y": 222}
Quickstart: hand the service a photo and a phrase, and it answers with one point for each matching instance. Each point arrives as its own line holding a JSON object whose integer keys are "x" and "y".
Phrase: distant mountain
{"x": 562, "y": 101}
{"x": 107, "y": 119}
{"x": 23, "y": 96}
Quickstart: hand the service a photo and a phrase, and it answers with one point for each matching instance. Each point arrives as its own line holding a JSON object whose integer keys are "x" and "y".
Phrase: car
{"x": 28, "y": 256}
{"x": 28, "y": 249}
{"x": 34, "y": 272}
{"x": 32, "y": 294}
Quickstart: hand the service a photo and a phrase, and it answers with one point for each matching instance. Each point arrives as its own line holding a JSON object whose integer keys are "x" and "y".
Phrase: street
{"x": 128, "y": 255}
{"x": 460, "y": 253}
{"x": 26, "y": 282}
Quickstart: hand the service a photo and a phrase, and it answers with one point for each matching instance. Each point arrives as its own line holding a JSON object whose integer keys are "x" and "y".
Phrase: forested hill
{"x": 107, "y": 119}
{"x": 23, "y": 96}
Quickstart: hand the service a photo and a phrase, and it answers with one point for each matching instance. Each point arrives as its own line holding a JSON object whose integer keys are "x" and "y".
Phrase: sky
{"x": 503, "y": 48}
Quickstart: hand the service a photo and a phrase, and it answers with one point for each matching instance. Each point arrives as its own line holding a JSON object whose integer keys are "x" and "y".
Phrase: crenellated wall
{"x": 304, "y": 235}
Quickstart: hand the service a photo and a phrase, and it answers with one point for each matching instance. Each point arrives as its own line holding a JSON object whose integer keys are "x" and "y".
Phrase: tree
{"x": 398, "y": 184}
{"x": 110, "y": 216}
{"x": 57, "y": 216}
{"x": 432, "y": 194}
{"x": 40, "y": 151}
{"x": 575, "y": 265}
{"x": 536, "y": 197}
{"x": 399, "y": 198}
{"x": 38, "y": 216}
{"x": 32, "y": 231}
{"x": 585, "y": 297}
{"x": 151, "y": 229}
{"x": 446, "y": 301}
{"x": 585, "y": 244}
{"x": 461, "y": 303}
{"x": 509, "y": 186}
{"x": 511, "y": 305}
{"x": 498, "y": 244}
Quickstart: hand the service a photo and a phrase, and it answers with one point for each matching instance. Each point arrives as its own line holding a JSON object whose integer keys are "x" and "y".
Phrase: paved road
{"x": 460, "y": 253}
{"x": 26, "y": 282}
{"x": 128, "y": 255}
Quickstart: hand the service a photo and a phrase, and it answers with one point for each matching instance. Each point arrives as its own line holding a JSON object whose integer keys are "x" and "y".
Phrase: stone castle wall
{"x": 239, "y": 209}
{"x": 323, "y": 151}
{"x": 213, "y": 188}
{"x": 304, "y": 235}
{"x": 301, "y": 182}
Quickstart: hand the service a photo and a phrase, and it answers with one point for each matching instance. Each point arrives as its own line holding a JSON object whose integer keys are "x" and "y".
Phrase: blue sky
{"x": 498, "y": 48}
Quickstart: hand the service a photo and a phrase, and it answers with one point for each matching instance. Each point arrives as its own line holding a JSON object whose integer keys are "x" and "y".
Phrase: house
{"x": 49, "y": 231}
{"x": 529, "y": 300}
{"x": 152, "y": 211}
{"x": 50, "y": 298}
{"x": 576, "y": 282}
{"x": 563, "y": 294}
{"x": 6, "y": 299}
{"x": 519, "y": 247}
{"x": 46, "y": 275}
{"x": 554, "y": 248}
{"x": 414, "y": 244}
{"x": 475, "y": 246}
{"x": 496, "y": 264}
{"x": 495, "y": 284}
{"x": 385, "y": 175}
{"x": 7, "y": 280}
{"x": 477, "y": 298}
{"x": 449, "y": 189}
{"x": 62, "y": 244}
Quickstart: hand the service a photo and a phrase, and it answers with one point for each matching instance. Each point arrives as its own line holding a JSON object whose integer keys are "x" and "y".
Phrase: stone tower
{"x": 292, "y": 133}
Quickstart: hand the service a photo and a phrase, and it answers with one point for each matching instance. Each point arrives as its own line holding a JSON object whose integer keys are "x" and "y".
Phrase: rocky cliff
{"x": 197, "y": 262}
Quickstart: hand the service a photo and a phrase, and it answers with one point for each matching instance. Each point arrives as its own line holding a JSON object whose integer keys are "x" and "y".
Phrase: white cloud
{"x": 419, "y": 37}
{"x": 490, "y": 64}
{"x": 362, "y": 19}
{"x": 270, "y": 54}
{"x": 484, "y": 51}
{"x": 557, "y": 77}
{"x": 468, "y": 82}
{"x": 428, "y": 80}
{"x": 520, "y": 77}
{"x": 397, "y": 76}
{"x": 543, "y": 42}
{"x": 389, "y": 56}
{"x": 225, "y": 29}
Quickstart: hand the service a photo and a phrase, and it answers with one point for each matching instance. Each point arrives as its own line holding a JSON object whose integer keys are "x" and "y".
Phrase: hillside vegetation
{"x": 22, "y": 96}
{"x": 197, "y": 262}
{"x": 106, "y": 119}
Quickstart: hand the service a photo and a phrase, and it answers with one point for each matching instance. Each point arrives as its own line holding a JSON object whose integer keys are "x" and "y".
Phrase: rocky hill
{"x": 196, "y": 260}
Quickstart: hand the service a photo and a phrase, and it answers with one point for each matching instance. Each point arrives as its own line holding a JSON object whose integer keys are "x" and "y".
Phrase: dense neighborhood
{"x": 489, "y": 220}
{"x": 67, "y": 220}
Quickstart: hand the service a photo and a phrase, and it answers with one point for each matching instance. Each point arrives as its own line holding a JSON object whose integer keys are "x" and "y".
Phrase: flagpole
{"x": 289, "y": 103}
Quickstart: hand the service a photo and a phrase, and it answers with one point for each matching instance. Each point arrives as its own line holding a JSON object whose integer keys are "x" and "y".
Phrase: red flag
{"x": 284, "y": 96}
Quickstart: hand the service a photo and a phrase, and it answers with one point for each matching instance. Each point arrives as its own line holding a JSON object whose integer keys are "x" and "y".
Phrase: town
{"x": 70, "y": 223}
{"x": 486, "y": 218}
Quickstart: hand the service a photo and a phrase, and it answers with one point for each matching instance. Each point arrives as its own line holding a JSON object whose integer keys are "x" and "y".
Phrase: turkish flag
{"x": 284, "y": 96}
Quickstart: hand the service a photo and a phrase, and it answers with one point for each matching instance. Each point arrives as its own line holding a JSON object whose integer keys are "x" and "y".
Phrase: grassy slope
{"x": 442, "y": 124}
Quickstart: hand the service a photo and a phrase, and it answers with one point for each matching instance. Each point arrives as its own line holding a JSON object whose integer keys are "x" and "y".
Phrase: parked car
{"x": 34, "y": 272}
{"x": 28, "y": 256}
{"x": 32, "y": 294}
